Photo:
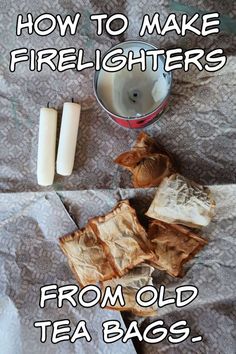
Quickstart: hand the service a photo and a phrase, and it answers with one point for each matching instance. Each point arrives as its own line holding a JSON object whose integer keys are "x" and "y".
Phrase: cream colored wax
{"x": 133, "y": 93}
{"x": 46, "y": 146}
{"x": 68, "y": 138}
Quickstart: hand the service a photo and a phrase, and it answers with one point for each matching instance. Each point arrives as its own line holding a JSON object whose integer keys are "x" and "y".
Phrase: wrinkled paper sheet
{"x": 30, "y": 257}
{"x": 199, "y": 128}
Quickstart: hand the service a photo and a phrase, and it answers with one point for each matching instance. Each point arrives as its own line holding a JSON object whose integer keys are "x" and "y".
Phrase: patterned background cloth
{"x": 199, "y": 129}
{"x": 31, "y": 258}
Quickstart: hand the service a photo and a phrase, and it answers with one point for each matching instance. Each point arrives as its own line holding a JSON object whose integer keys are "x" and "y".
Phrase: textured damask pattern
{"x": 199, "y": 127}
{"x": 30, "y": 258}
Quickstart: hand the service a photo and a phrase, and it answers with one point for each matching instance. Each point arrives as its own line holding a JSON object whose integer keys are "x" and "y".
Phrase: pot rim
{"x": 95, "y": 80}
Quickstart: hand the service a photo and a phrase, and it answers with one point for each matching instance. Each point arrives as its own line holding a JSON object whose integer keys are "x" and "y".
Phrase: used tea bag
{"x": 181, "y": 201}
{"x": 86, "y": 257}
{"x": 122, "y": 236}
{"x": 131, "y": 282}
{"x": 148, "y": 162}
{"x": 173, "y": 246}
{"x": 107, "y": 247}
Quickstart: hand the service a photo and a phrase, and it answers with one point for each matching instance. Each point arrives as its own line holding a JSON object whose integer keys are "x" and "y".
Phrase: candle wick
{"x": 48, "y": 104}
{"x": 72, "y": 100}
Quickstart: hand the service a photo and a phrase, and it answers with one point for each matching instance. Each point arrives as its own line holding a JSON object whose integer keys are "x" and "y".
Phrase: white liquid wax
{"x": 133, "y": 93}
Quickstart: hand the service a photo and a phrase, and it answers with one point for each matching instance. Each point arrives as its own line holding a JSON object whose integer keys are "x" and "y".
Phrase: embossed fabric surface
{"x": 199, "y": 128}
{"x": 30, "y": 258}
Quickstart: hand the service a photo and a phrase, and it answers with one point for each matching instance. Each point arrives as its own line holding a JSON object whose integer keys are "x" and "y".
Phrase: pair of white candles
{"x": 47, "y": 142}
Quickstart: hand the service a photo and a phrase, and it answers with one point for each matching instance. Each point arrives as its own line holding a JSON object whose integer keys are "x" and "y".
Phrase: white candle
{"x": 68, "y": 138}
{"x": 46, "y": 146}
